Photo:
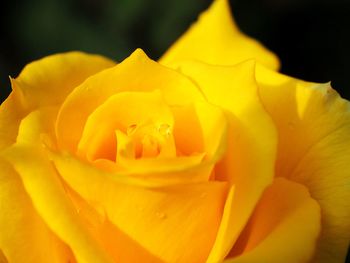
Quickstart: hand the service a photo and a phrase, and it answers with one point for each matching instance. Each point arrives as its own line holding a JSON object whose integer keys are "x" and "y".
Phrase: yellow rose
{"x": 208, "y": 156}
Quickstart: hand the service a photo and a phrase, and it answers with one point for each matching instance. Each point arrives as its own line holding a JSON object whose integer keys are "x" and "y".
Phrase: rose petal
{"x": 166, "y": 220}
{"x": 136, "y": 73}
{"x": 215, "y": 39}
{"x": 119, "y": 112}
{"x": 11, "y": 113}
{"x": 223, "y": 240}
{"x": 284, "y": 227}
{"x": 38, "y": 127}
{"x": 177, "y": 171}
{"x": 210, "y": 127}
{"x": 2, "y": 257}
{"x": 249, "y": 160}
{"x": 47, "y": 82}
{"x": 50, "y": 200}
{"x": 314, "y": 135}
{"x": 24, "y": 236}
{"x": 166, "y": 167}
{"x": 120, "y": 246}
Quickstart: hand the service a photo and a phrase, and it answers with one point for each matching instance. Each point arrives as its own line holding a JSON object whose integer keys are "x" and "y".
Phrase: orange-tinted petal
{"x": 284, "y": 227}
{"x": 215, "y": 39}
{"x": 119, "y": 112}
{"x": 314, "y": 149}
{"x": 2, "y": 257}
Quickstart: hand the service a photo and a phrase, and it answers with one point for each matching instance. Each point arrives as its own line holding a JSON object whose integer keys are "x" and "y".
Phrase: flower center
{"x": 151, "y": 140}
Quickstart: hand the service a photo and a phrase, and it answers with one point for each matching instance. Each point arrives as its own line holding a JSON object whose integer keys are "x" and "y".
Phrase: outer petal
{"x": 176, "y": 223}
{"x": 136, "y": 73}
{"x": 11, "y": 113}
{"x": 47, "y": 82}
{"x": 314, "y": 134}
{"x": 249, "y": 161}
{"x": 51, "y": 202}
{"x": 284, "y": 227}
{"x": 24, "y": 236}
{"x": 215, "y": 39}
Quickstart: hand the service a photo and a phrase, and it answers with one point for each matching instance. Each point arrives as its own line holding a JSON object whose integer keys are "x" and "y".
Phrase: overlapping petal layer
{"x": 249, "y": 160}
{"x": 122, "y": 112}
{"x": 164, "y": 220}
{"x": 24, "y": 236}
{"x": 150, "y": 76}
{"x": 284, "y": 227}
{"x": 11, "y": 113}
{"x": 313, "y": 122}
{"x": 45, "y": 82}
{"x": 52, "y": 203}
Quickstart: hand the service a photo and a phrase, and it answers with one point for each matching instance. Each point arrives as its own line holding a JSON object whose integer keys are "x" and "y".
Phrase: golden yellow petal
{"x": 283, "y": 228}
{"x": 52, "y": 203}
{"x": 11, "y": 113}
{"x": 45, "y": 82}
{"x": 120, "y": 112}
{"x": 215, "y": 39}
{"x": 136, "y": 73}
{"x": 48, "y": 81}
{"x": 250, "y": 156}
{"x": 165, "y": 220}
{"x": 24, "y": 236}
{"x": 314, "y": 149}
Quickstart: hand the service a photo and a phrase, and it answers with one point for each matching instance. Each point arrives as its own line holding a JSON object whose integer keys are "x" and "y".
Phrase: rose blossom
{"x": 208, "y": 155}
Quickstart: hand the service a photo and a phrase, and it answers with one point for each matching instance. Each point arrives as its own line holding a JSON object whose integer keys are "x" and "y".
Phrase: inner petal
{"x": 123, "y": 111}
{"x": 147, "y": 140}
{"x": 200, "y": 128}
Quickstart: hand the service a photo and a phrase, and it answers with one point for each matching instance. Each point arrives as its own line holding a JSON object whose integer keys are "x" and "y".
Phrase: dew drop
{"x": 131, "y": 129}
{"x": 164, "y": 129}
{"x": 161, "y": 215}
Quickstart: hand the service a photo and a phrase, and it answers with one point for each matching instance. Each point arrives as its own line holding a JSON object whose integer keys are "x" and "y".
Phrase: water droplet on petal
{"x": 131, "y": 129}
{"x": 161, "y": 215}
{"x": 164, "y": 129}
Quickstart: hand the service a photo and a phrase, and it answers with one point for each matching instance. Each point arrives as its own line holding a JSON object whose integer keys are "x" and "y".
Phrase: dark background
{"x": 311, "y": 37}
